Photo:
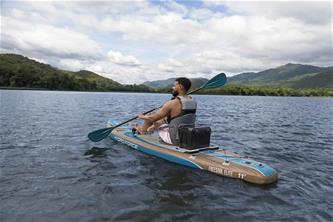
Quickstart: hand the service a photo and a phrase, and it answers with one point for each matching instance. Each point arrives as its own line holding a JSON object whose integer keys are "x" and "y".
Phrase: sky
{"x": 136, "y": 41}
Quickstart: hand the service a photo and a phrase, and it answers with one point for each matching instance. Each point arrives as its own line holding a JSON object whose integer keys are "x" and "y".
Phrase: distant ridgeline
{"x": 287, "y": 80}
{"x": 160, "y": 84}
{"x": 17, "y": 71}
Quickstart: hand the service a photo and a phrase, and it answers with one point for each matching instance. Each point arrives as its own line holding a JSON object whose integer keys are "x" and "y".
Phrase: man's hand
{"x": 160, "y": 114}
{"x": 146, "y": 118}
{"x": 141, "y": 116}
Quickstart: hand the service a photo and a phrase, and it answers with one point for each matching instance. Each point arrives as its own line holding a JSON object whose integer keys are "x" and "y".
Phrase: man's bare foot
{"x": 151, "y": 129}
{"x": 138, "y": 129}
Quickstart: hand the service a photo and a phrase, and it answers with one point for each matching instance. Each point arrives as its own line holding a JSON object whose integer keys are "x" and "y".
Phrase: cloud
{"x": 40, "y": 39}
{"x": 135, "y": 41}
{"x": 120, "y": 73}
{"x": 306, "y": 11}
{"x": 123, "y": 60}
{"x": 176, "y": 7}
{"x": 171, "y": 66}
{"x": 123, "y": 74}
{"x": 202, "y": 14}
{"x": 72, "y": 64}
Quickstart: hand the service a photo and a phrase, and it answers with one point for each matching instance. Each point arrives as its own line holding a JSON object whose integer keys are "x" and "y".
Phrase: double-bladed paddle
{"x": 98, "y": 135}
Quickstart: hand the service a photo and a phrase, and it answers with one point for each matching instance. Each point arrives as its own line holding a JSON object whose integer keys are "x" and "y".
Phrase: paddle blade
{"x": 217, "y": 81}
{"x": 100, "y": 134}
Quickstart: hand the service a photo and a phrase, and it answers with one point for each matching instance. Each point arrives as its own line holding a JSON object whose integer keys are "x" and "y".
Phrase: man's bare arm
{"x": 160, "y": 114}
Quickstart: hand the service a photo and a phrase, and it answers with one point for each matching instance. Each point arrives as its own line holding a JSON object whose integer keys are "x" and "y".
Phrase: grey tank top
{"x": 186, "y": 117}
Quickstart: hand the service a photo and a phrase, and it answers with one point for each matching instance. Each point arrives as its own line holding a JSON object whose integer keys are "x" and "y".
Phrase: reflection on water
{"x": 49, "y": 170}
{"x": 96, "y": 151}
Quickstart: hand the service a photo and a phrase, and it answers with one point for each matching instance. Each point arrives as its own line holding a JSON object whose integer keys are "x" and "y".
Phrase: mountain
{"x": 159, "y": 83}
{"x": 20, "y": 71}
{"x": 318, "y": 80}
{"x": 167, "y": 83}
{"x": 289, "y": 75}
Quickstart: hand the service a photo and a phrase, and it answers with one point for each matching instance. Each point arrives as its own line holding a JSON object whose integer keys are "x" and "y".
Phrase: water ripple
{"x": 50, "y": 171}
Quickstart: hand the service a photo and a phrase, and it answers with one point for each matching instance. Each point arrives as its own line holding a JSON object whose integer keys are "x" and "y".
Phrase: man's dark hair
{"x": 184, "y": 82}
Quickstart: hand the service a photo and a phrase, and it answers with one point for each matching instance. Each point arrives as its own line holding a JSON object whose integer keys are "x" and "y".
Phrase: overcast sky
{"x": 136, "y": 41}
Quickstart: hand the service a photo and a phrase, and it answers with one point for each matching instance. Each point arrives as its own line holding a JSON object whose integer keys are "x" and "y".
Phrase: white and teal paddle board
{"x": 214, "y": 159}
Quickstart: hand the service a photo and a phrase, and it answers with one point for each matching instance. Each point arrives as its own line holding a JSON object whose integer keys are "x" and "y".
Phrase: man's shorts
{"x": 164, "y": 134}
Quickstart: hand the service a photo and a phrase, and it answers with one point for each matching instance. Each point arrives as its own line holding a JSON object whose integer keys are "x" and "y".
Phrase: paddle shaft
{"x": 120, "y": 124}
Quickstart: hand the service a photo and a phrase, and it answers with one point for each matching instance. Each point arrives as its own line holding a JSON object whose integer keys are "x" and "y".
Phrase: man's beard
{"x": 174, "y": 93}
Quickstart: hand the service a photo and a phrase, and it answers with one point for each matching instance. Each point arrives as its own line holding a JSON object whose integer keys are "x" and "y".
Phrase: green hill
{"x": 322, "y": 79}
{"x": 20, "y": 71}
{"x": 159, "y": 83}
{"x": 289, "y": 75}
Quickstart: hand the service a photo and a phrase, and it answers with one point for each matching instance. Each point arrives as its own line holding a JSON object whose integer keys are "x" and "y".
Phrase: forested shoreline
{"x": 18, "y": 72}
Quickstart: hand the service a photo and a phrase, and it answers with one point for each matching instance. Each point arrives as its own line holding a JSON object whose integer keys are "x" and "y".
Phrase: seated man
{"x": 180, "y": 110}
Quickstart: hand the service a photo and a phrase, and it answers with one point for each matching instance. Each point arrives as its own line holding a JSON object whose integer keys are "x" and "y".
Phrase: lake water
{"x": 46, "y": 176}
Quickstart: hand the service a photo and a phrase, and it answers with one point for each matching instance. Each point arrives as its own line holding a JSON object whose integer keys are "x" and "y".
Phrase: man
{"x": 180, "y": 110}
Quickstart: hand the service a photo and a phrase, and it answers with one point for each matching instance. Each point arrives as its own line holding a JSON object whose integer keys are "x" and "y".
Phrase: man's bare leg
{"x": 148, "y": 125}
{"x": 143, "y": 129}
